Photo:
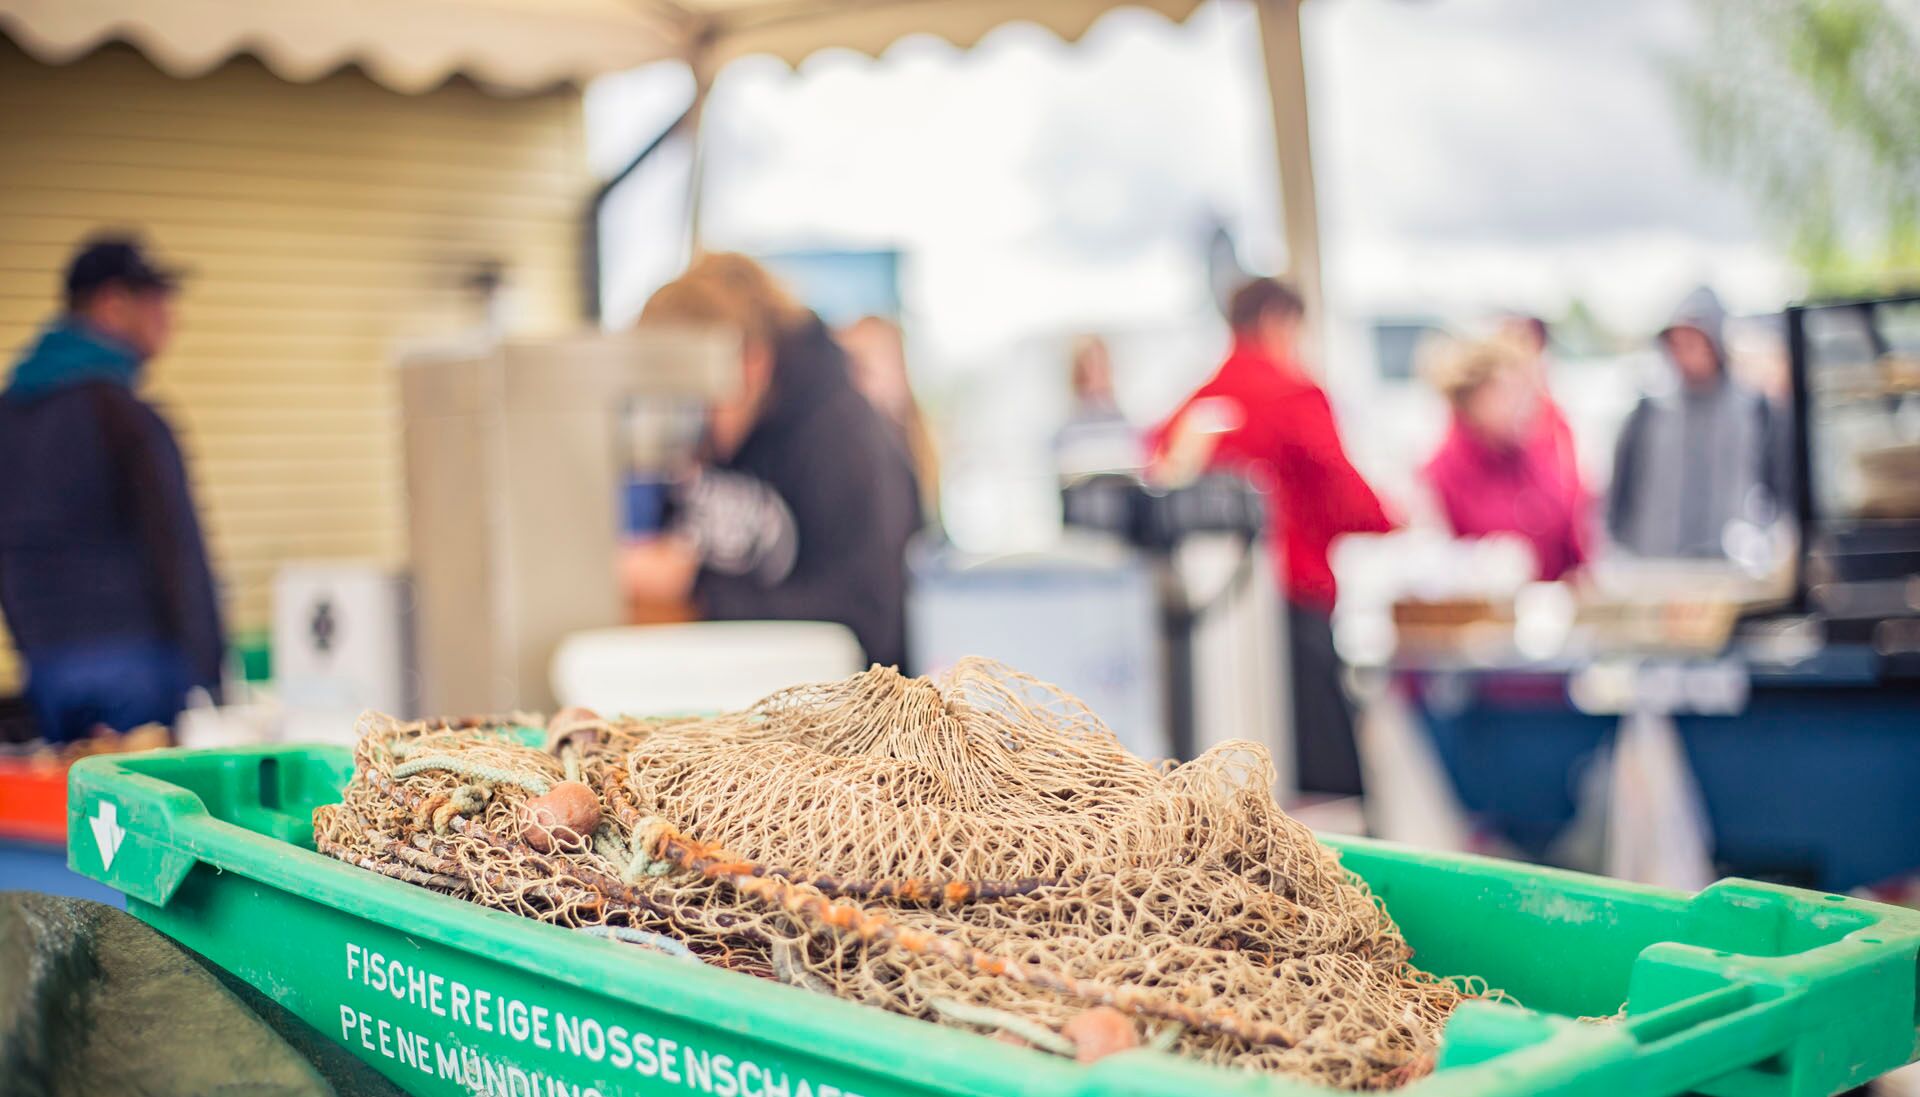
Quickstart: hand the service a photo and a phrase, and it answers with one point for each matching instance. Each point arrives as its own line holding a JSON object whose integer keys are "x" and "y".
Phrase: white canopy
{"x": 518, "y": 46}
{"x": 792, "y": 29}
{"x": 514, "y": 45}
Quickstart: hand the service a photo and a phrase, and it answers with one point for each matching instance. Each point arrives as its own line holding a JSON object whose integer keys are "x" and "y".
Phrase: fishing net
{"x": 978, "y": 852}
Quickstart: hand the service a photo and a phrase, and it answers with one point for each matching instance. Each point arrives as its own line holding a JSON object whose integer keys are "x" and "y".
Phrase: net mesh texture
{"x": 977, "y": 851}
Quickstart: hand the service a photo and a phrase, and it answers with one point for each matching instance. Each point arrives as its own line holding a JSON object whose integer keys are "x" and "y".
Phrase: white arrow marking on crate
{"x": 107, "y": 831}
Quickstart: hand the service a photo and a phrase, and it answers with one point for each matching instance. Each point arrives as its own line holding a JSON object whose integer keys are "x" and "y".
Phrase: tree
{"x": 1581, "y": 331}
{"x": 1814, "y": 105}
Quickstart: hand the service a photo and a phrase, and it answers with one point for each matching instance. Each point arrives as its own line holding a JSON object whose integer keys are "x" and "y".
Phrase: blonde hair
{"x": 1457, "y": 368}
{"x": 726, "y": 289}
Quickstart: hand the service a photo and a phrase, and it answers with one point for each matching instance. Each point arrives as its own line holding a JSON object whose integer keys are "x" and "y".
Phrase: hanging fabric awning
{"x": 513, "y": 46}
{"x": 507, "y": 46}
{"x": 793, "y": 29}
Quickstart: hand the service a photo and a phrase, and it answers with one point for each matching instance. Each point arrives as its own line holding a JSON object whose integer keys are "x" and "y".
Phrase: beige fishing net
{"x": 978, "y": 852}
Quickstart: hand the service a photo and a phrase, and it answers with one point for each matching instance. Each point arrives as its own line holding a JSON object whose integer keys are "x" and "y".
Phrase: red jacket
{"x": 1526, "y": 491}
{"x": 1287, "y": 444}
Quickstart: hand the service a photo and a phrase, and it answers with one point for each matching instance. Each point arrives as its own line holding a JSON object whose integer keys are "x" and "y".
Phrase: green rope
{"x": 1033, "y": 1032}
{"x": 607, "y": 843}
{"x": 477, "y": 771}
{"x": 409, "y": 747}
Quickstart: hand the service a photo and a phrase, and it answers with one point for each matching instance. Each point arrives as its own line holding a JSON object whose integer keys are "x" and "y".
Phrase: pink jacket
{"x": 1485, "y": 490}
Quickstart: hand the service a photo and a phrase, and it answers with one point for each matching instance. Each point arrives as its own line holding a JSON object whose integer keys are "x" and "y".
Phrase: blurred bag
{"x": 1657, "y": 829}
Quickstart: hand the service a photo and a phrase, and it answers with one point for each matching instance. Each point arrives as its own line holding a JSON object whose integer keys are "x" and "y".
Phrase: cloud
{"x": 1517, "y": 121}
{"x": 1478, "y": 152}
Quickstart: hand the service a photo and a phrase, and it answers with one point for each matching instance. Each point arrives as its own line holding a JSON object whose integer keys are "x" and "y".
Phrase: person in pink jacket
{"x": 1552, "y": 434}
{"x": 1491, "y": 475}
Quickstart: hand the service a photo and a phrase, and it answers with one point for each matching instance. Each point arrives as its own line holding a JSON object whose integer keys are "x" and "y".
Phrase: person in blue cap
{"x": 104, "y": 581}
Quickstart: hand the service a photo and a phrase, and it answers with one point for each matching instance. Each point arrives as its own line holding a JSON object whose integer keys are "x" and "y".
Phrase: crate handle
{"x": 1673, "y": 1020}
{"x": 1739, "y": 1025}
{"x": 123, "y": 826}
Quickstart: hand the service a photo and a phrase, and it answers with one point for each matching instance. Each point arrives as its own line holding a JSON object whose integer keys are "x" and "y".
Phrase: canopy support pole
{"x": 591, "y": 276}
{"x": 701, "y": 62}
{"x": 1300, "y": 213}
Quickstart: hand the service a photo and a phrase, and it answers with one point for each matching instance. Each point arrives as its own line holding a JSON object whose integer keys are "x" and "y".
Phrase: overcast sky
{"x": 1515, "y": 148}
{"x": 1471, "y": 154}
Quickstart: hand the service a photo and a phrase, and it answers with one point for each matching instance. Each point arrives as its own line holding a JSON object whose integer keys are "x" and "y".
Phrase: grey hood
{"x": 1702, "y": 311}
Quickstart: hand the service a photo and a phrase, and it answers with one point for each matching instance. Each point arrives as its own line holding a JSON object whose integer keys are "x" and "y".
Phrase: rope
{"x": 845, "y": 919}
{"x": 658, "y": 942}
{"x": 609, "y": 845}
{"x": 646, "y": 837}
{"x": 647, "y": 831}
{"x": 790, "y": 966}
{"x": 1168, "y": 1036}
{"x": 465, "y": 800}
{"x": 477, "y": 771}
{"x": 506, "y": 729}
{"x": 1033, "y": 1032}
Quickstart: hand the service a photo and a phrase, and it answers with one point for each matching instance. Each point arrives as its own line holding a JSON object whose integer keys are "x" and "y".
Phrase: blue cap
{"x": 106, "y": 260}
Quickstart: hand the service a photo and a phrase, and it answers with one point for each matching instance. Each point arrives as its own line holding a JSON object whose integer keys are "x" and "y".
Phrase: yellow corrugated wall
{"x": 327, "y": 224}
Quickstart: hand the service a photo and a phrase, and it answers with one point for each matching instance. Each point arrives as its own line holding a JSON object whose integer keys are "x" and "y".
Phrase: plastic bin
{"x": 1742, "y": 989}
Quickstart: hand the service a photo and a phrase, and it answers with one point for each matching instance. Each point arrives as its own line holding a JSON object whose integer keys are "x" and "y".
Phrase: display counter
{"x": 1808, "y": 770}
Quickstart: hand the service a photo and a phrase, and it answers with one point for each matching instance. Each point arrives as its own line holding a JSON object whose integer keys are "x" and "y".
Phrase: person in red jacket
{"x": 1268, "y": 421}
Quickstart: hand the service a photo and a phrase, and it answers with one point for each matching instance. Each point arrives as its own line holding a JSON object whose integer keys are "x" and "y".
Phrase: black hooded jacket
{"x": 850, "y": 486}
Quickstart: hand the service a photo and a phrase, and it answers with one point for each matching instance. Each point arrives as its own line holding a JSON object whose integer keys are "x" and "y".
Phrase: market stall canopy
{"x": 521, "y": 46}
{"x": 508, "y": 46}
{"x": 513, "y": 45}
{"x": 792, "y": 29}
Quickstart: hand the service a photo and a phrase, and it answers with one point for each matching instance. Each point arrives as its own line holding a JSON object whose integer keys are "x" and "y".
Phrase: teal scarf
{"x": 68, "y": 353}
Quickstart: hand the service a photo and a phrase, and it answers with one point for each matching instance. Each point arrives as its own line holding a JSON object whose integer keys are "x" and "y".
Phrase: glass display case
{"x": 1861, "y": 365}
{"x": 1856, "y": 374}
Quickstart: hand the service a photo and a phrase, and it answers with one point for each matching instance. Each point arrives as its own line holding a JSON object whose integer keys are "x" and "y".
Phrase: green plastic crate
{"x": 1742, "y": 989}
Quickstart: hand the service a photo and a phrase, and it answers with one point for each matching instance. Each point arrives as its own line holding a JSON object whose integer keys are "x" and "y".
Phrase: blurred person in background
{"x": 103, "y": 573}
{"x": 1096, "y": 436}
{"x": 1491, "y": 474}
{"x": 877, "y": 356}
{"x": 805, "y": 499}
{"x": 1552, "y": 437}
{"x": 1275, "y": 426}
{"x": 1693, "y": 461}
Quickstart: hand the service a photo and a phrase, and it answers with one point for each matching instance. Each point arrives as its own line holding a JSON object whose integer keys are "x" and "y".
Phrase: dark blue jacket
{"x": 98, "y": 538}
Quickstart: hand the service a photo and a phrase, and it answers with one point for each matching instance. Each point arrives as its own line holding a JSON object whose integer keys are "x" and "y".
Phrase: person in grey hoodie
{"x": 1701, "y": 457}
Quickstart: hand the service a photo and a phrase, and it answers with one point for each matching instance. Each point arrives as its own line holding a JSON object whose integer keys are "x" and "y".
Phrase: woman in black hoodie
{"x": 805, "y": 503}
